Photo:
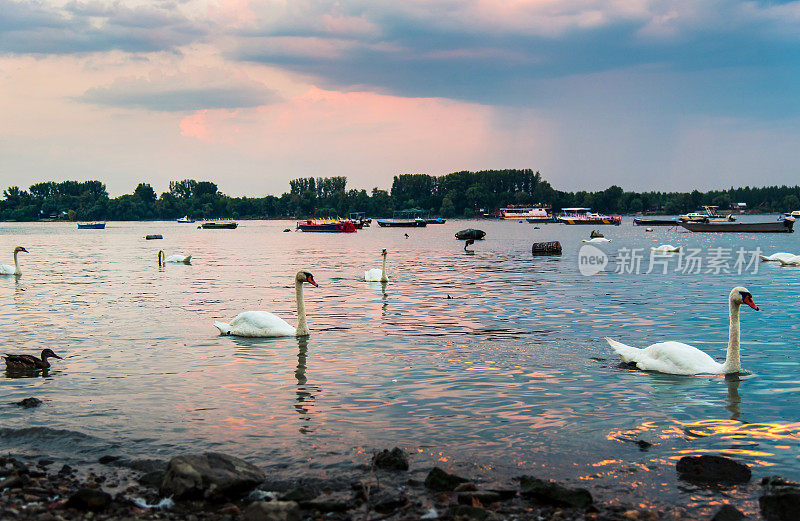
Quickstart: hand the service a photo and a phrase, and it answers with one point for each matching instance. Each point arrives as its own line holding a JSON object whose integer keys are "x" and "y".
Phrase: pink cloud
{"x": 355, "y": 131}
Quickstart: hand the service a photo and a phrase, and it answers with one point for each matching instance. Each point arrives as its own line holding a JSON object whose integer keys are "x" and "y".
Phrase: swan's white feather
{"x": 256, "y": 324}
{"x": 5, "y": 269}
{"x": 185, "y": 259}
{"x": 373, "y": 275}
{"x": 666, "y": 248}
{"x": 597, "y": 239}
{"x": 794, "y": 260}
{"x": 777, "y": 257}
{"x": 668, "y": 357}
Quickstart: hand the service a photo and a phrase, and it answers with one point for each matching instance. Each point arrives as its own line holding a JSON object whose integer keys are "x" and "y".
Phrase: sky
{"x": 645, "y": 94}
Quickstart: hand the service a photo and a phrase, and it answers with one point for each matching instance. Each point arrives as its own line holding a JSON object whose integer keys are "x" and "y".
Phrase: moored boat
{"x": 311, "y": 225}
{"x": 402, "y": 223}
{"x": 538, "y": 213}
{"x": 92, "y": 225}
{"x": 586, "y": 216}
{"x": 638, "y": 221}
{"x": 438, "y": 220}
{"x": 185, "y": 220}
{"x": 709, "y": 214}
{"x": 782, "y": 226}
{"x": 219, "y": 224}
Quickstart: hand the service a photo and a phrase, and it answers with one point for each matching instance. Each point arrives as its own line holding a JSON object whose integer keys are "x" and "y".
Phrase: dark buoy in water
{"x": 153, "y": 236}
{"x": 470, "y": 233}
{"x": 287, "y": 230}
{"x": 406, "y": 235}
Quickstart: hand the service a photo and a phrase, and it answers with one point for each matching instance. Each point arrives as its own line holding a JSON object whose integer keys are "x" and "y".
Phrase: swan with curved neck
{"x": 679, "y": 358}
{"x": 375, "y": 274}
{"x": 5, "y": 269}
{"x": 182, "y": 259}
{"x": 264, "y": 324}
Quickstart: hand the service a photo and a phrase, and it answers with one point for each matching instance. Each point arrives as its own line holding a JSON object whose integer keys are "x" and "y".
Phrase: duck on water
{"x": 29, "y": 362}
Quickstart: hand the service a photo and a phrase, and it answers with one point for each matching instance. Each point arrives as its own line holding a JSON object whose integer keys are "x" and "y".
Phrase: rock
{"x": 712, "y": 469}
{"x": 229, "y": 509}
{"x": 152, "y": 479}
{"x": 299, "y": 494}
{"x": 272, "y": 511}
{"x": 11, "y": 482}
{"x": 385, "y": 501}
{"x": 469, "y": 486}
{"x": 505, "y": 494}
{"x": 780, "y": 506}
{"x": 485, "y": 498}
{"x": 66, "y": 469}
{"x": 728, "y": 513}
{"x": 396, "y": 459}
{"x": 89, "y": 499}
{"x": 29, "y": 403}
{"x": 781, "y": 501}
{"x": 44, "y": 462}
{"x": 643, "y": 445}
{"x": 211, "y": 476}
{"x": 551, "y": 493}
{"x": 467, "y": 512}
{"x": 105, "y": 460}
{"x": 438, "y": 479}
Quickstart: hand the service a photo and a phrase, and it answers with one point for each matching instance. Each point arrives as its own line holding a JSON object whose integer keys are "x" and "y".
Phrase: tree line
{"x": 459, "y": 194}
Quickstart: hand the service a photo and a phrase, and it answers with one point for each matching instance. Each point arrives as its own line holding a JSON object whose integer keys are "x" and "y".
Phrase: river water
{"x": 491, "y": 363}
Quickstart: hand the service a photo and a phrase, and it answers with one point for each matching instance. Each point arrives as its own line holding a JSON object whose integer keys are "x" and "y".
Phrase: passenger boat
{"x": 92, "y": 226}
{"x": 219, "y": 224}
{"x": 402, "y": 223}
{"x": 638, "y": 221}
{"x": 185, "y": 219}
{"x": 533, "y": 214}
{"x": 311, "y": 225}
{"x": 438, "y": 220}
{"x": 359, "y": 219}
{"x": 785, "y": 225}
{"x": 709, "y": 214}
{"x": 586, "y": 216}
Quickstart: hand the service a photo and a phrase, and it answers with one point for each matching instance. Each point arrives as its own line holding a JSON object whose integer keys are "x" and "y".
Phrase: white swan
{"x": 777, "y": 257}
{"x": 5, "y": 269}
{"x": 375, "y": 274}
{"x": 184, "y": 259}
{"x": 794, "y": 260}
{"x": 678, "y": 358}
{"x": 597, "y": 239}
{"x": 264, "y": 324}
{"x": 666, "y": 248}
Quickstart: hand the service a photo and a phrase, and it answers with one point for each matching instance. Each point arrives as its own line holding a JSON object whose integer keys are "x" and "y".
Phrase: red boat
{"x": 310, "y": 225}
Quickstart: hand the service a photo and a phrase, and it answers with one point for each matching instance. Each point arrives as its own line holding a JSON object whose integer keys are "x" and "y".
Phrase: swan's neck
{"x": 302, "y": 325}
{"x": 17, "y": 271}
{"x": 733, "y": 363}
{"x": 384, "y": 278}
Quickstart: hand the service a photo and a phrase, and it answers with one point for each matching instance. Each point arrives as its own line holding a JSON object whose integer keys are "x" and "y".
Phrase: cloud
{"x": 176, "y": 94}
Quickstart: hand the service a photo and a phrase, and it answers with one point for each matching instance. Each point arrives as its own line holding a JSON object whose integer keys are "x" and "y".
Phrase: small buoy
{"x": 287, "y": 230}
{"x": 153, "y": 236}
{"x": 648, "y": 229}
{"x": 536, "y": 228}
{"x": 406, "y": 235}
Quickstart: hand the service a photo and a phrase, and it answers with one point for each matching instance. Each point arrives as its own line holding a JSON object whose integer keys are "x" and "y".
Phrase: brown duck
{"x": 29, "y": 362}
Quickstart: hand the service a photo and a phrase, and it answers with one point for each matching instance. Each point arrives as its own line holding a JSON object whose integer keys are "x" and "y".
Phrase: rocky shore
{"x": 218, "y": 487}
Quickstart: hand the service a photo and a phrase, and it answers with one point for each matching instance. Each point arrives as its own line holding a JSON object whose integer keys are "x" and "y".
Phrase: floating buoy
{"x": 470, "y": 233}
{"x": 287, "y": 230}
{"x": 648, "y": 229}
{"x": 546, "y": 248}
{"x": 153, "y": 236}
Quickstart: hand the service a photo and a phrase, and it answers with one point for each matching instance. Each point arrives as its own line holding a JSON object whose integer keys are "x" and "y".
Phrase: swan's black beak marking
{"x": 747, "y": 298}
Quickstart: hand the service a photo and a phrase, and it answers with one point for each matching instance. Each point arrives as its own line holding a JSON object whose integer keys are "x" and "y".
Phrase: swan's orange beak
{"x": 747, "y": 299}
{"x": 311, "y": 280}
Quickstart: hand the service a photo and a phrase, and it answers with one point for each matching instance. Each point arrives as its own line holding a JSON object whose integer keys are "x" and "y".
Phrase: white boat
{"x": 795, "y": 214}
{"x": 709, "y": 214}
{"x": 537, "y": 213}
{"x": 185, "y": 219}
